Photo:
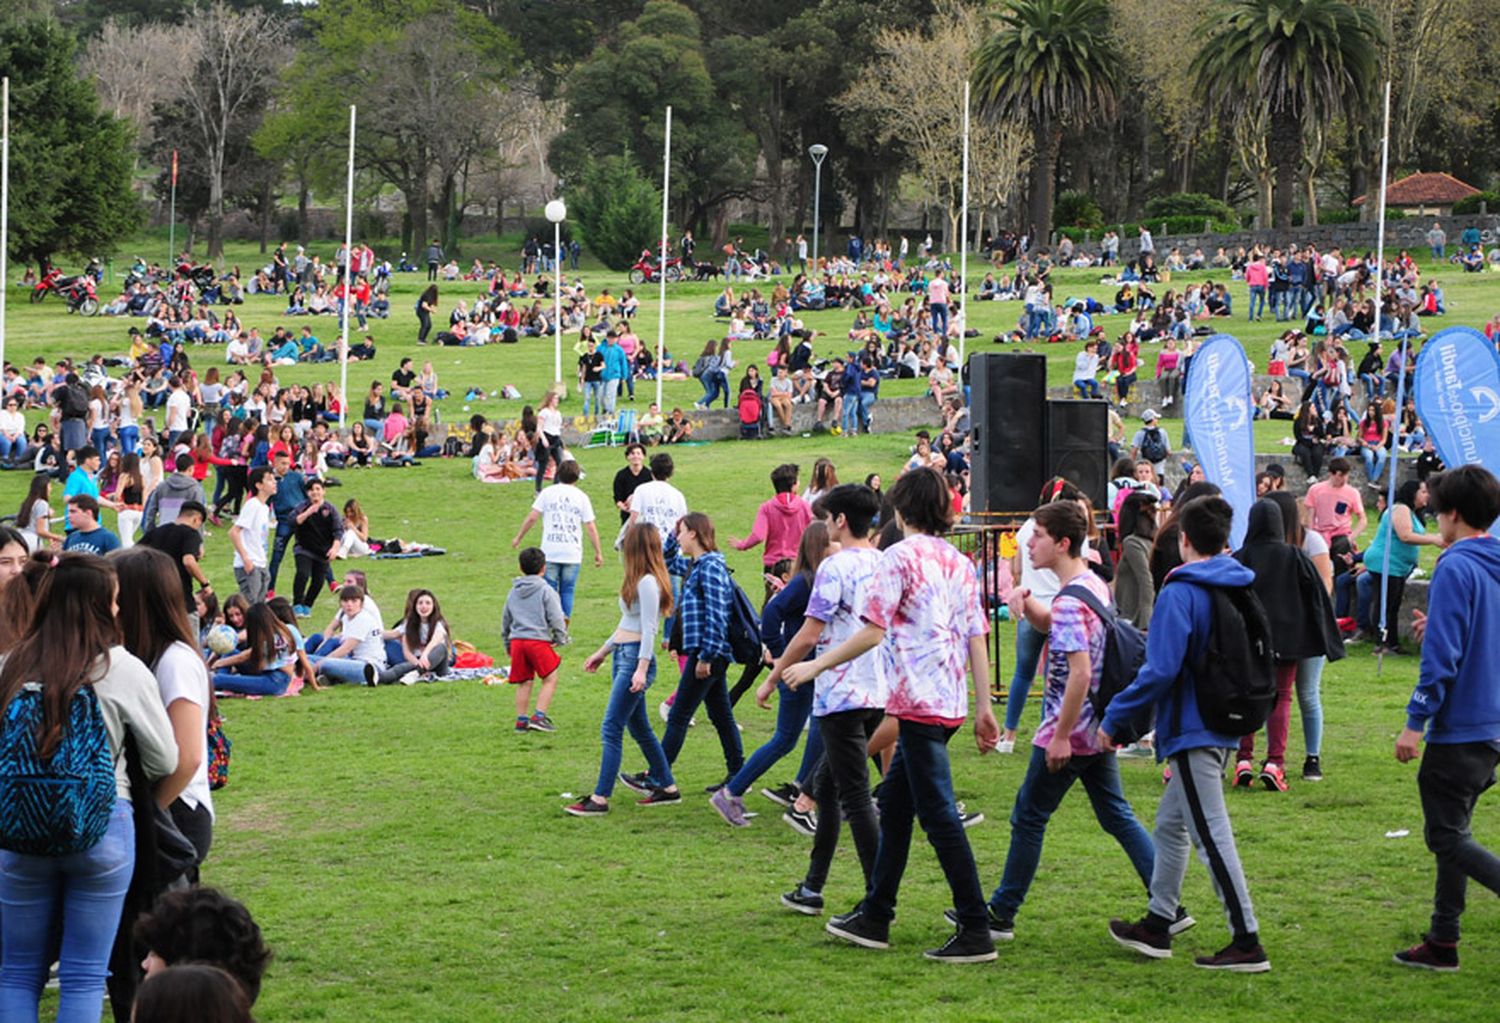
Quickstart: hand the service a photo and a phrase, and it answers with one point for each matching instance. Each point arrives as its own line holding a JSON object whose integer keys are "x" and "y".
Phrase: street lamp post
{"x": 817, "y": 151}
{"x": 557, "y": 212}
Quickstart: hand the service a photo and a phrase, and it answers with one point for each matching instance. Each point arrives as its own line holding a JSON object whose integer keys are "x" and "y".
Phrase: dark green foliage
{"x": 1471, "y": 204}
{"x": 1077, "y": 209}
{"x": 1188, "y": 204}
{"x": 617, "y": 210}
{"x": 69, "y": 161}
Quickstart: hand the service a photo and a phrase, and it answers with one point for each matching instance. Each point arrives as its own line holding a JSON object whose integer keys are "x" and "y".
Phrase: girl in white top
{"x": 35, "y": 516}
{"x": 155, "y": 626}
{"x": 425, "y": 647}
{"x": 70, "y": 645}
{"x": 151, "y": 467}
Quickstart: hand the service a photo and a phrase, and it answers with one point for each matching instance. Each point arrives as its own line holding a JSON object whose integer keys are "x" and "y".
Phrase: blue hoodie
{"x": 1180, "y": 624}
{"x": 1457, "y": 698}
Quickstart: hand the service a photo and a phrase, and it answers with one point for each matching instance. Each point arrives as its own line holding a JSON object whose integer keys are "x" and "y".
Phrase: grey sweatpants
{"x": 1192, "y": 810}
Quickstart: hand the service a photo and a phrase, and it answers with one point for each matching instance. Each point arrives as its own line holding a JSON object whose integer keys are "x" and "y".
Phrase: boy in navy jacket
{"x": 1192, "y": 808}
{"x": 1457, "y": 702}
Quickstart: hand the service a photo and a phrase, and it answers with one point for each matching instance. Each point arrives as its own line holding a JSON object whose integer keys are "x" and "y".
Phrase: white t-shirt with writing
{"x": 366, "y": 628}
{"x": 660, "y": 504}
{"x": 564, "y": 510}
{"x": 254, "y": 521}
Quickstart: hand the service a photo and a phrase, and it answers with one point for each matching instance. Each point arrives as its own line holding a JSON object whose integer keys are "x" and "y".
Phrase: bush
{"x": 1188, "y": 204}
{"x": 1077, "y": 209}
{"x": 616, "y": 209}
{"x": 540, "y": 228}
{"x": 1471, "y": 204}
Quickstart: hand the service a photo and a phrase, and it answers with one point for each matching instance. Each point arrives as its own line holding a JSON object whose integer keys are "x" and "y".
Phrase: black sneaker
{"x": 1139, "y": 938}
{"x": 1181, "y": 922}
{"x": 1236, "y": 960}
{"x": 802, "y": 823}
{"x": 589, "y": 807}
{"x": 857, "y": 928}
{"x": 1312, "y": 769}
{"x": 967, "y": 819}
{"x": 964, "y": 946}
{"x": 370, "y": 674}
{"x": 800, "y": 900}
{"x": 541, "y": 723}
{"x": 660, "y": 797}
{"x": 1430, "y": 956}
{"x": 639, "y": 782}
{"x": 785, "y": 794}
{"x": 1000, "y": 930}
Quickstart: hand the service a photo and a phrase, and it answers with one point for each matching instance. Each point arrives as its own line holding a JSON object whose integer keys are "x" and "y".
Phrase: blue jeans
{"x": 866, "y": 403}
{"x": 628, "y": 710}
{"x": 341, "y": 669}
{"x": 130, "y": 439}
{"x": 593, "y": 396}
{"x": 1281, "y": 304}
{"x": 1375, "y": 458}
{"x": 16, "y": 448}
{"x": 563, "y": 579}
{"x": 1029, "y": 643}
{"x": 1257, "y": 300}
{"x": 939, "y": 313}
{"x": 1088, "y": 388}
{"x": 278, "y": 550}
{"x": 1039, "y": 797}
{"x": 86, "y": 890}
{"x": 1374, "y": 384}
{"x": 260, "y": 683}
{"x": 714, "y": 695}
{"x": 666, "y": 622}
{"x": 919, "y": 786}
{"x": 99, "y": 438}
{"x": 1310, "y": 702}
{"x": 850, "y": 416}
{"x": 791, "y": 714}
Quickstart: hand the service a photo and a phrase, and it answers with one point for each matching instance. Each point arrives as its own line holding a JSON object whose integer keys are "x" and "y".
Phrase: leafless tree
{"x": 132, "y": 68}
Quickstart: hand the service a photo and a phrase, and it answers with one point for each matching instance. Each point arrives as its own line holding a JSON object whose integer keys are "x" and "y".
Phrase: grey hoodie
{"x": 533, "y": 611}
{"x": 168, "y": 498}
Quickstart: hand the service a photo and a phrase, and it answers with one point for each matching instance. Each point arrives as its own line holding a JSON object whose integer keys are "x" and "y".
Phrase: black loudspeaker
{"x": 1078, "y": 446}
{"x": 1008, "y": 394}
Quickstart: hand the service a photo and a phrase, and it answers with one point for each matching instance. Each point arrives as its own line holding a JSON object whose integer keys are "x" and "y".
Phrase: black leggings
{"x": 309, "y": 581}
{"x": 425, "y": 319}
{"x": 1392, "y": 634}
{"x": 234, "y": 488}
{"x": 841, "y": 785}
{"x": 547, "y": 446}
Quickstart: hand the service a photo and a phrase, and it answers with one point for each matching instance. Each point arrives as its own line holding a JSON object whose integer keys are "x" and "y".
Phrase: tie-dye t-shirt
{"x": 1074, "y": 628}
{"x": 924, "y": 593}
{"x": 857, "y": 684}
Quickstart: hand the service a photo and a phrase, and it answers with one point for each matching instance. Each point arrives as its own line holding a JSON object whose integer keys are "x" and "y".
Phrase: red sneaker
{"x": 1273, "y": 777}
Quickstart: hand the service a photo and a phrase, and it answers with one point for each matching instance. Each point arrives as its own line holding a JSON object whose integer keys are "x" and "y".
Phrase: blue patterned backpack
{"x": 61, "y": 805}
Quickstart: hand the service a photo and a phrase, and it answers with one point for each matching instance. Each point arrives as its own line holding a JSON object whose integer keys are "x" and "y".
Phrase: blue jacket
{"x": 784, "y": 613}
{"x": 616, "y": 364}
{"x": 1457, "y": 698}
{"x": 1180, "y": 624}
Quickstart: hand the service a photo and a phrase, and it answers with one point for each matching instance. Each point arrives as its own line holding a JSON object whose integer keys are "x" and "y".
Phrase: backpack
{"x": 1124, "y": 649}
{"x": 75, "y": 402}
{"x": 1153, "y": 445}
{"x": 744, "y": 627}
{"x": 1235, "y": 675}
{"x": 62, "y": 805}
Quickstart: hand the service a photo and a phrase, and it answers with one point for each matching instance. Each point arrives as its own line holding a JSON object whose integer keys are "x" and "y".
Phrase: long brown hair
{"x": 152, "y": 613}
{"x": 812, "y": 550}
{"x": 18, "y": 599}
{"x": 642, "y": 549}
{"x": 67, "y": 644}
{"x": 262, "y": 628}
{"x": 413, "y": 620}
{"x": 701, "y": 526}
{"x": 823, "y": 476}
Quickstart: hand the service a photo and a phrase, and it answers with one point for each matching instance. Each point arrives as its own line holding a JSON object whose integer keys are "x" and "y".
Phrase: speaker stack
{"x": 1021, "y": 439}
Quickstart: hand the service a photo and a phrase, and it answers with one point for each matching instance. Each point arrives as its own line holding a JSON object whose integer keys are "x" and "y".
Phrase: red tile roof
{"x": 1430, "y": 188}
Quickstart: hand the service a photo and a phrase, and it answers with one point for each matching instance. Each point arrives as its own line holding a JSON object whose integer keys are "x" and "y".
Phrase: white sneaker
{"x": 409, "y": 678}
{"x": 1005, "y": 746}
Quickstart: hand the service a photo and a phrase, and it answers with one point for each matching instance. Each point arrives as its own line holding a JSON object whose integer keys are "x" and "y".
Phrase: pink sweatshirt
{"x": 780, "y": 522}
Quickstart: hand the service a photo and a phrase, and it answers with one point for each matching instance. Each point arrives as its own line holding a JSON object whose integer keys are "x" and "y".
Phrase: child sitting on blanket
{"x": 532, "y": 624}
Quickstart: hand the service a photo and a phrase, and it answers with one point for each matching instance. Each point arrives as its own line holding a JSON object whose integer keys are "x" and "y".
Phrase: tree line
{"x": 1268, "y": 106}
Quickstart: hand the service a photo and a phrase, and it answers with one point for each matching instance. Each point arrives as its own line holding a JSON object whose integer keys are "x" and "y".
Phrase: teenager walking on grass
{"x": 1066, "y": 748}
{"x": 1192, "y": 809}
{"x": 848, "y": 700}
{"x": 921, "y": 607}
{"x": 1457, "y": 703}
{"x": 645, "y": 596}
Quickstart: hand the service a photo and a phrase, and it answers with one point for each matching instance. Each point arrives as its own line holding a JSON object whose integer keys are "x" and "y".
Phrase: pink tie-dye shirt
{"x": 924, "y": 593}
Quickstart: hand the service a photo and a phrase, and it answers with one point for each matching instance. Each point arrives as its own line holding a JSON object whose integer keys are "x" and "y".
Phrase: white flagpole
{"x": 4, "y": 208}
{"x": 963, "y": 241}
{"x": 661, "y": 317}
{"x": 348, "y": 298}
{"x": 1390, "y": 490}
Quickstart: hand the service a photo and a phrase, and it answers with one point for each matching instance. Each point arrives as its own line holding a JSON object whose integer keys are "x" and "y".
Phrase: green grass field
{"x": 408, "y": 859}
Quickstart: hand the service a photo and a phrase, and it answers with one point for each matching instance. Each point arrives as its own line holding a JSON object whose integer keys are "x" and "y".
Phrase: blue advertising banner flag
{"x": 1457, "y": 387}
{"x": 1217, "y": 411}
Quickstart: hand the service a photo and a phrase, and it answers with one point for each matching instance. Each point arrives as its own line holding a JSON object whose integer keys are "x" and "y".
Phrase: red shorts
{"x": 532, "y": 658}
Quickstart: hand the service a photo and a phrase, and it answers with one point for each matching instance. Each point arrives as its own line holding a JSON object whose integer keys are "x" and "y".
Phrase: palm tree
{"x": 1053, "y": 64}
{"x": 1295, "y": 65}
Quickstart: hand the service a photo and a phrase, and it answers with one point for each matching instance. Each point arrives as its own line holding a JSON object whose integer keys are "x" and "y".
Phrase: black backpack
{"x": 1124, "y": 650}
{"x": 75, "y": 402}
{"x": 744, "y": 627}
{"x": 1153, "y": 445}
{"x": 1235, "y": 674}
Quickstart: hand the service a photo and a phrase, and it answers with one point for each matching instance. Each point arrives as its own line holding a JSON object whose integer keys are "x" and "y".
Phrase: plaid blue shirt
{"x": 707, "y": 596}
